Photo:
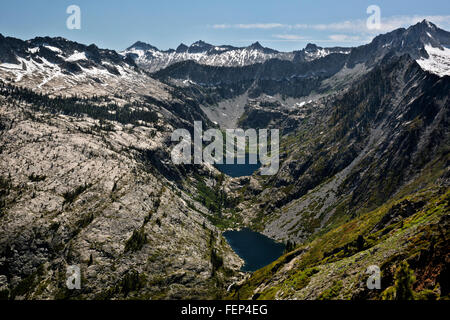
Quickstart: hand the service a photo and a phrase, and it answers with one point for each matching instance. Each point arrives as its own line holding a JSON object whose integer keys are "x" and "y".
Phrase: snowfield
{"x": 438, "y": 61}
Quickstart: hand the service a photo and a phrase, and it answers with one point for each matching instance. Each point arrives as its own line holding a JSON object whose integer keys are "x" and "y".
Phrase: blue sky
{"x": 282, "y": 24}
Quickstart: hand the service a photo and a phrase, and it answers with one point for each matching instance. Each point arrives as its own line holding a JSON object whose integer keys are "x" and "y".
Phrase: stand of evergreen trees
{"x": 76, "y": 106}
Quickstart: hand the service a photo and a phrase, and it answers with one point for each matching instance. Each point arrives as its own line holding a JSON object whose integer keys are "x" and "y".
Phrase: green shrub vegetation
{"x": 137, "y": 240}
{"x": 71, "y": 196}
{"x": 420, "y": 228}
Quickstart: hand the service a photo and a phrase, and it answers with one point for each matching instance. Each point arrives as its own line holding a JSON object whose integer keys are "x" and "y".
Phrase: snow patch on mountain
{"x": 54, "y": 49}
{"x": 89, "y": 78}
{"x": 323, "y": 52}
{"x": 438, "y": 61}
{"x": 76, "y": 56}
{"x": 33, "y": 50}
{"x": 153, "y": 59}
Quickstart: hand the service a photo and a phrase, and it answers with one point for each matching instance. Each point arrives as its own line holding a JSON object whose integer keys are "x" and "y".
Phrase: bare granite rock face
{"x": 73, "y": 194}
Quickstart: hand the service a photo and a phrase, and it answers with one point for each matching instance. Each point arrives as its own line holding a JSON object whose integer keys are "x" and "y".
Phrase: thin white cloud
{"x": 393, "y": 23}
{"x": 387, "y": 24}
{"x": 352, "y": 26}
{"x": 350, "y": 31}
{"x": 261, "y": 26}
{"x": 289, "y": 37}
{"x": 250, "y": 26}
{"x": 339, "y": 26}
{"x": 221, "y": 26}
{"x": 344, "y": 38}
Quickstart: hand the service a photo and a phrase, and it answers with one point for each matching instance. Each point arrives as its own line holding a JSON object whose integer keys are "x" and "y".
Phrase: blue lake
{"x": 254, "y": 248}
{"x": 238, "y": 170}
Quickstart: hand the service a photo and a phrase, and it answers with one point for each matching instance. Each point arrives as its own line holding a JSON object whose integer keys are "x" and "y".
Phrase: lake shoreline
{"x": 254, "y": 248}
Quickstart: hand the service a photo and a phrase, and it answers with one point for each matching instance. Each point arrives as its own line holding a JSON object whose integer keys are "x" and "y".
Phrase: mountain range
{"x": 86, "y": 176}
{"x": 152, "y": 59}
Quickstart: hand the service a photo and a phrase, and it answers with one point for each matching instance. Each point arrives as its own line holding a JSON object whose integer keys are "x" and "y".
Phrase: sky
{"x": 284, "y": 25}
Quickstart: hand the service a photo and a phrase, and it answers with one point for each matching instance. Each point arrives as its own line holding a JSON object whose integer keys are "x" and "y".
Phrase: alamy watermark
{"x": 236, "y": 143}
{"x": 374, "y": 280}
{"x": 73, "y": 280}
{"x": 73, "y": 22}
{"x": 374, "y": 20}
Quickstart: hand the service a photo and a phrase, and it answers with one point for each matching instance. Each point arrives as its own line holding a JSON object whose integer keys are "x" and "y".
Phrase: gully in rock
{"x": 213, "y": 153}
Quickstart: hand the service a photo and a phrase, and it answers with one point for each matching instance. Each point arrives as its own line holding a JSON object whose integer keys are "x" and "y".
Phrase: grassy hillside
{"x": 412, "y": 228}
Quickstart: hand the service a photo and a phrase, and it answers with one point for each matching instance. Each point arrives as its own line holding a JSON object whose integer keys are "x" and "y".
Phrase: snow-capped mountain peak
{"x": 182, "y": 48}
{"x": 438, "y": 61}
{"x": 200, "y": 47}
{"x": 139, "y": 45}
{"x": 60, "y": 65}
{"x": 153, "y": 59}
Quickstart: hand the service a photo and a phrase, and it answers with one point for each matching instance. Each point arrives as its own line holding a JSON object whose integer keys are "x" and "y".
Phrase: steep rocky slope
{"x": 309, "y": 75}
{"x": 371, "y": 140}
{"x": 367, "y": 185}
{"x": 86, "y": 177}
{"x": 412, "y": 229}
{"x": 88, "y": 182}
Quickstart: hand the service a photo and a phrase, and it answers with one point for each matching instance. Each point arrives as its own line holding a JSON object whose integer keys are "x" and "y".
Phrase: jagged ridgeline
{"x": 372, "y": 191}
{"x": 87, "y": 180}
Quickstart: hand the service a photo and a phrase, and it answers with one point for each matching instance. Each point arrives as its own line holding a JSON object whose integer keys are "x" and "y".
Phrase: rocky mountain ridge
{"x": 153, "y": 59}
{"x": 86, "y": 177}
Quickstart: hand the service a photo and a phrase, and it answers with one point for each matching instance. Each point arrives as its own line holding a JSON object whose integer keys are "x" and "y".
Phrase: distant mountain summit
{"x": 199, "y": 47}
{"x": 312, "y": 52}
{"x": 44, "y": 59}
{"x": 182, "y": 48}
{"x": 424, "y": 42}
{"x": 87, "y": 177}
{"x": 68, "y": 56}
{"x": 57, "y": 64}
{"x": 139, "y": 45}
{"x": 153, "y": 59}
